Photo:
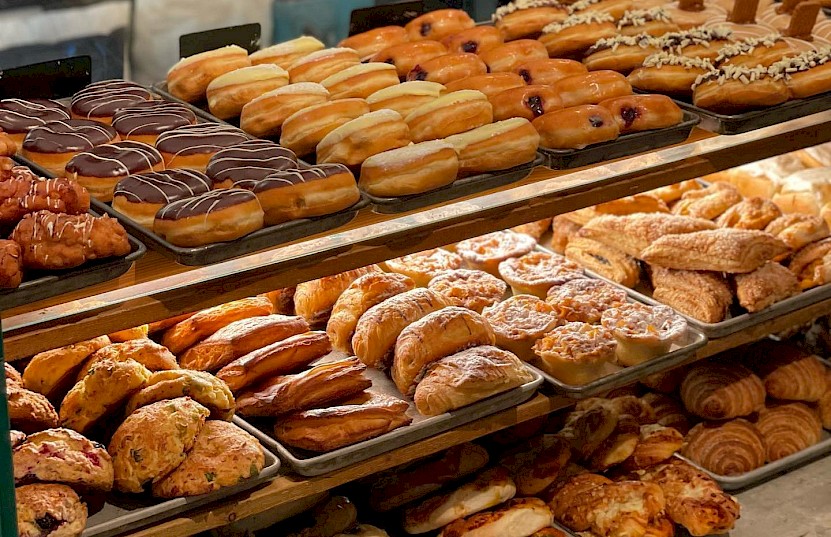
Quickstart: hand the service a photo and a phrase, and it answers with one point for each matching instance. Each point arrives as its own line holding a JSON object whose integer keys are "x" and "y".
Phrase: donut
{"x": 372, "y": 41}
{"x": 635, "y": 113}
{"x": 523, "y": 19}
{"x": 53, "y": 144}
{"x": 615, "y": 8}
{"x": 622, "y": 53}
{"x": 192, "y": 146}
{"x": 100, "y": 100}
{"x": 215, "y": 216}
{"x": 285, "y": 53}
{"x": 655, "y": 22}
{"x": 264, "y": 116}
{"x": 145, "y": 121}
{"x": 473, "y": 40}
{"x": 405, "y": 97}
{"x": 140, "y": 196}
{"x": 450, "y": 114}
{"x": 506, "y": 58}
{"x": 733, "y": 89}
{"x": 188, "y": 79}
{"x": 527, "y": 101}
{"x": 752, "y": 52}
{"x": 490, "y": 84}
{"x": 697, "y": 43}
{"x": 689, "y": 14}
{"x": 669, "y": 73}
{"x": 228, "y": 93}
{"x": 102, "y": 167}
{"x": 304, "y": 129}
{"x": 549, "y": 70}
{"x": 355, "y": 141}
{"x": 318, "y": 66}
{"x": 18, "y": 116}
{"x": 572, "y": 37}
{"x": 447, "y": 68}
{"x": 251, "y": 160}
{"x": 591, "y": 88}
{"x": 410, "y": 170}
{"x": 576, "y": 127}
{"x": 807, "y": 74}
{"x": 437, "y": 25}
{"x": 314, "y": 191}
{"x": 497, "y": 146}
{"x": 739, "y": 32}
{"x": 407, "y": 55}
{"x": 361, "y": 80}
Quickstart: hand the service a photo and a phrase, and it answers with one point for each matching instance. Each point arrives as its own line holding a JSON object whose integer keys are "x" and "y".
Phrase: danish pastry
{"x": 575, "y": 353}
{"x": 584, "y": 300}
{"x": 811, "y": 264}
{"x": 189, "y": 78}
{"x": 643, "y": 332}
{"x": 202, "y": 387}
{"x": 424, "y": 266}
{"x": 471, "y": 289}
{"x": 515, "y": 518}
{"x": 488, "y": 251}
{"x": 519, "y": 322}
{"x": 536, "y": 272}
{"x": 315, "y": 299}
{"x": 708, "y": 203}
{"x": 750, "y": 213}
{"x": 798, "y": 230}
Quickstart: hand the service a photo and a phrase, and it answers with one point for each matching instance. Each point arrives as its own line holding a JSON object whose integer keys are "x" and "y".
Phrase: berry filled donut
{"x": 473, "y": 40}
{"x": 490, "y": 84}
{"x": 373, "y": 41}
{"x": 405, "y": 56}
{"x": 525, "y": 19}
{"x": 437, "y": 25}
{"x": 528, "y": 102}
{"x": 447, "y": 68}
{"x": 635, "y": 113}
{"x": 549, "y": 70}
{"x": 576, "y": 127}
{"x": 508, "y": 57}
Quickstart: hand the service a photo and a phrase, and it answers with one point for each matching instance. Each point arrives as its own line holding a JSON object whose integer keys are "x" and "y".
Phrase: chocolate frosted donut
{"x": 100, "y": 100}
{"x": 289, "y": 178}
{"x": 145, "y": 121}
{"x": 192, "y": 146}
{"x": 252, "y": 160}
{"x": 102, "y": 167}
{"x": 18, "y": 116}
{"x": 141, "y": 196}
{"x": 53, "y": 144}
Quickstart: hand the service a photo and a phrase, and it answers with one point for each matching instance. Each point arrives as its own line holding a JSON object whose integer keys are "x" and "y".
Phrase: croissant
{"x": 722, "y": 391}
{"x": 824, "y": 405}
{"x": 788, "y": 429}
{"x": 787, "y": 371}
{"x": 668, "y": 412}
{"x": 731, "y": 448}
{"x": 656, "y": 444}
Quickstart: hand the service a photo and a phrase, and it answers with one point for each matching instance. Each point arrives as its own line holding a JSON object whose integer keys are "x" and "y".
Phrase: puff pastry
{"x": 606, "y": 261}
{"x": 705, "y": 296}
{"x": 637, "y": 203}
{"x": 798, "y": 230}
{"x": 536, "y": 229}
{"x": 708, "y": 203}
{"x": 721, "y": 250}
{"x": 656, "y": 443}
{"x": 750, "y": 213}
{"x": 314, "y": 300}
{"x": 765, "y": 286}
{"x": 812, "y": 264}
{"x": 788, "y": 429}
{"x": 672, "y": 193}
{"x": 632, "y": 233}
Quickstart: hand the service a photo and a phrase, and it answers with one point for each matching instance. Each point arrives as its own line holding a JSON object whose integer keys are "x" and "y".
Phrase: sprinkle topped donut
{"x": 100, "y": 100}
{"x": 68, "y": 135}
{"x": 151, "y": 118}
{"x": 112, "y": 160}
{"x": 18, "y": 116}
{"x": 251, "y": 160}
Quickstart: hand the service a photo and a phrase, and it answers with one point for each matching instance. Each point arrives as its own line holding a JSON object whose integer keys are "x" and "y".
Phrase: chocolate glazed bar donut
{"x": 252, "y": 160}
{"x": 99, "y": 101}
{"x": 146, "y": 120}
{"x": 141, "y": 196}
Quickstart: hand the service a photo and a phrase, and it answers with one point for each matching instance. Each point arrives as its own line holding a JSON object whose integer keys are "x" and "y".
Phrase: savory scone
{"x": 49, "y": 511}
{"x": 222, "y": 456}
{"x": 29, "y": 411}
{"x": 52, "y": 373}
{"x": 107, "y": 385}
{"x": 200, "y": 386}
{"x": 154, "y": 440}
{"x": 63, "y": 456}
{"x": 12, "y": 375}
{"x": 147, "y": 352}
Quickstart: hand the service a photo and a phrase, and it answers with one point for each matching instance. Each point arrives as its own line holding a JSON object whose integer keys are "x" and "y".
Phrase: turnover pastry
{"x": 812, "y": 264}
{"x": 720, "y": 391}
{"x": 584, "y": 300}
{"x": 204, "y": 388}
{"x": 643, "y": 332}
{"x": 536, "y": 272}
{"x": 636, "y": 203}
{"x": 516, "y": 518}
{"x": 314, "y": 300}
{"x": 708, "y": 203}
{"x": 788, "y": 372}
{"x": 424, "y": 266}
{"x": 705, "y": 296}
{"x": 765, "y": 286}
{"x": 671, "y": 193}
{"x": 656, "y": 443}
{"x": 798, "y": 230}
{"x": 519, "y": 322}
{"x": 751, "y": 213}
{"x": 788, "y": 429}
{"x": 576, "y": 353}
{"x": 471, "y": 289}
{"x": 607, "y": 261}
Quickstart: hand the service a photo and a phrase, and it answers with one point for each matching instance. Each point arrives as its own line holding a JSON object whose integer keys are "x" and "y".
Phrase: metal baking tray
{"x": 121, "y": 513}
{"x": 309, "y": 463}
{"x": 200, "y": 109}
{"x": 623, "y": 146}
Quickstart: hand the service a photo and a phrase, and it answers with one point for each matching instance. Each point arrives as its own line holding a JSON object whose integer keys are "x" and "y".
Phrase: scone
{"x": 519, "y": 322}
{"x": 12, "y": 375}
{"x": 147, "y": 352}
{"x": 222, "y": 456}
{"x": 471, "y": 289}
{"x": 63, "y": 456}
{"x": 204, "y": 388}
{"x": 154, "y": 440}
{"x": 29, "y": 411}
{"x": 424, "y": 266}
{"x": 53, "y": 372}
{"x": 49, "y": 511}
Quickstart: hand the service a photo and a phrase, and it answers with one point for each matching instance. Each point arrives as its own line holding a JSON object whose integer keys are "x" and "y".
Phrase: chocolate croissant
{"x": 788, "y": 429}
{"x": 730, "y": 448}
{"x": 722, "y": 391}
{"x": 787, "y": 371}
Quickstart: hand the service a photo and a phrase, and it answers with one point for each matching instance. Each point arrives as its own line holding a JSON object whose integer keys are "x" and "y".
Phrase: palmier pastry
{"x": 53, "y": 372}
{"x": 303, "y": 130}
{"x": 188, "y": 80}
{"x": 409, "y": 170}
{"x": 471, "y": 289}
{"x": 362, "y": 294}
{"x": 655, "y": 21}
{"x": 621, "y": 53}
{"x": 720, "y": 250}
{"x": 635, "y": 113}
{"x": 730, "y": 448}
{"x": 228, "y": 93}
{"x": 572, "y": 37}
{"x": 708, "y": 203}
{"x": 528, "y": 102}
{"x": 215, "y": 216}
{"x": 319, "y": 65}
{"x": 29, "y": 411}
{"x": 788, "y": 372}
{"x": 102, "y": 167}
{"x": 249, "y": 161}
{"x": 508, "y": 57}
{"x": 377, "y": 329}
{"x": 694, "y": 13}
{"x": 606, "y": 261}
{"x": 519, "y": 322}
{"x": 584, "y": 300}
{"x": 63, "y": 456}
{"x": 360, "y": 80}
{"x": 575, "y": 353}
{"x": 576, "y": 127}
{"x": 357, "y": 140}
{"x": 331, "y": 428}
{"x": 18, "y": 116}
{"x": 632, "y": 233}
{"x": 536, "y": 272}
{"x": 447, "y": 68}
{"x": 548, "y": 71}
{"x": 424, "y": 266}
{"x": 145, "y": 121}
{"x": 192, "y": 146}
{"x": 499, "y": 146}
{"x": 488, "y": 251}
{"x": 452, "y": 113}
{"x": 808, "y": 74}
{"x": 705, "y": 296}
{"x": 141, "y": 196}
{"x": 812, "y": 264}
{"x": 50, "y": 241}
{"x": 372, "y": 41}
{"x": 52, "y": 145}
{"x": 26, "y": 194}
{"x": 669, "y": 73}
{"x": 314, "y": 300}
{"x": 643, "y": 332}
{"x": 265, "y": 115}
{"x": 592, "y": 88}
{"x": 438, "y": 24}
{"x": 474, "y": 40}
{"x": 11, "y": 265}
{"x": 405, "y": 56}
{"x": 722, "y": 391}
{"x": 750, "y": 213}
{"x": 489, "y": 84}
{"x": 526, "y": 18}
{"x": 49, "y": 510}
{"x": 405, "y": 97}
{"x": 798, "y": 230}
{"x": 100, "y": 100}
{"x": 734, "y": 89}
{"x": 286, "y": 53}
{"x": 765, "y": 286}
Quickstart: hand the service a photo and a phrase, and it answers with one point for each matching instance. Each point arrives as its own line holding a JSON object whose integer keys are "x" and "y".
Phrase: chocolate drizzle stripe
{"x": 205, "y": 204}
{"x": 162, "y": 187}
{"x": 20, "y": 115}
{"x": 58, "y": 136}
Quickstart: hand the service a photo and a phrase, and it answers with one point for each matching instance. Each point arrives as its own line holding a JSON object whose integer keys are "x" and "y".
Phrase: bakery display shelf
{"x": 625, "y": 145}
{"x": 124, "y": 513}
{"x": 159, "y": 289}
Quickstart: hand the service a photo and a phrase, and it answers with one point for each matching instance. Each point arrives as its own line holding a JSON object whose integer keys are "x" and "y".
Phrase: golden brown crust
{"x": 726, "y": 448}
{"x": 283, "y": 300}
{"x": 535, "y": 229}
{"x": 424, "y": 266}
{"x": 824, "y": 404}
{"x": 720, "y": 391}
{"x": 63, "y": 456}
{"x": 812, "y": 264}
{"x": 575, "y": 353}
{"x": 705, "y": 296}
{"x": 672, "y": 193}
{"x": 668, "y": 412}
{"x": 765, "y": 286}
{"x": 656, "y": 444}
{"x": 536, "y": 272}
{"x": 562, "y": 231}
{"x": 314, "y": 300}
{"x": 643, "y": 332}
{"x": 708, "y": 203}
{"x": 750, "y": 213}
{"x": 148, "y": 353}
{"x": 519, "y": 322}
{"x": 618, "y": 447}
{"x": 516, "y": 518}
{"x": 486, "y": 252}
{"x": 138, "y": 332}
{"x": 584, "y": 300}
{"x": 604, "y": 260}
{"x": 471, "y": 289}
{"x": 29, "y": 411}
{"x": 587, "y": 429}
{"x": 57, "y": 507}
{"x": 637, "y": 203}
{"x": 53, "y": 372}
{"x": 788, "y": 429}
{"x": 798, "y": 230}
{"x": 202, "y": 387}
{"x": 624, "y": 404}
{"x": 12, "y": 375}
{"x": 538, "y": 463}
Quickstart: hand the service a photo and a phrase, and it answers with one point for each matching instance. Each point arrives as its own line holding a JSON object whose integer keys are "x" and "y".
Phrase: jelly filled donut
{"x": 18, "y": 116}
{"x": 576, "y": 127}
{"x": 528, "y": 102}
{"x": 141, "y": 196}
{"x": 192, "y": 146}
{"x": 372, "y": 41}
{"x": 361, "y": 80}
{"x": 452, "y": 113}
{"x": 264, "y": 116}
{"x": 405, "y": 56}
{"x": 549, "y": 70}
{"x": 409, "y": 170}
{"x": 145, "y": 121}
{"x": 304, "y": 129}
{"x": 437, "y": 25}
{"x": 102, "y": 167}
{"x": 405, "y": 97}
{"x": 490, "y": 84}
{"x": 447, "y": 68}
{"x": 228, "y": 93}
{"x": 188, "y": 79}
{"x": 473, "y": 40}
{"x": 53, "y": 144}
{"x": 285, "y": 53}
{"x": 635, "y": 113}
{"x": 251, "y": 160}
{"x": 506, "y": 58}
{"x": 357, "y": 140}
{"x": 318, "y": 66}
{"x": 523, "y": 19}
{"x": 100, "y": 100}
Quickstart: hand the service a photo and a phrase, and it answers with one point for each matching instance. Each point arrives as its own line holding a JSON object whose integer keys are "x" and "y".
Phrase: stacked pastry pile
{"x": 48, "y": 225}
{"x": 166, "y": 429}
